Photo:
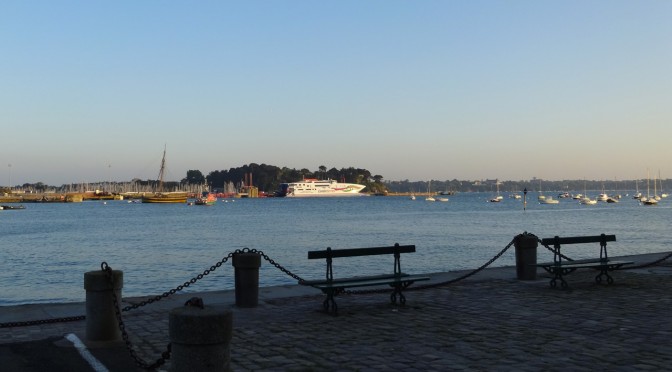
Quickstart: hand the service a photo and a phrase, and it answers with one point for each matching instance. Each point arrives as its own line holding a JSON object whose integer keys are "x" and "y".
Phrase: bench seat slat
{"x": 324, "y": 281}
{"x": 572, "y": 265}
{"x": 369, "y": 282}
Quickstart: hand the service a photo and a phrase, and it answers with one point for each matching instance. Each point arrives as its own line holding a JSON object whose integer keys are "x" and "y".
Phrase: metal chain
{"x": 122, "y": 327}
{"x": 656, "y": 262}
{"x": 185, "y": 284}
{"x": 277, "y": 265}
{"x": 440, "y": 284}
{"x": 552, "y": 249}
{"x": 29, "y": 323}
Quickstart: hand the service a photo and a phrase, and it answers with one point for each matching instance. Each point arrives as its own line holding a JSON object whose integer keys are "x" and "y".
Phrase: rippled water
{"x": 47, "y": 248}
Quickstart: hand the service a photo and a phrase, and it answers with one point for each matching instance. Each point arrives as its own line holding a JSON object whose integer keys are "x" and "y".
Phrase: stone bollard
{"x": 200, "y": 338}
{"x": 526, "y": 256}
{"x": 247, "y": 266}
{"x": 101, "y": 317}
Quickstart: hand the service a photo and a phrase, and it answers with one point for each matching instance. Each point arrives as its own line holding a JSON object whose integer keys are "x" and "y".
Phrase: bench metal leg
{"x": 605, "y": 272}
{"x": 558, "y": 274}
{"x": 329, "y": 304}
{"x": 398, "y": 288}
{"x": 556, "y": 277}
{"x": 398, "y": 292}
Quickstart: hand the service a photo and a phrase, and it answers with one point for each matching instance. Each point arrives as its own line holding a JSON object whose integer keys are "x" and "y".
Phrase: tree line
{"x": 269, "y": 177}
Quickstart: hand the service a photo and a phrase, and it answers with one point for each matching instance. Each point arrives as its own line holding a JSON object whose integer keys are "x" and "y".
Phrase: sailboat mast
{"x": 163, "y": 166}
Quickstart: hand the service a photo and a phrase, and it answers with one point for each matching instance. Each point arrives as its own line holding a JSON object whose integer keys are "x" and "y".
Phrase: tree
{"x": 194, "y": 177}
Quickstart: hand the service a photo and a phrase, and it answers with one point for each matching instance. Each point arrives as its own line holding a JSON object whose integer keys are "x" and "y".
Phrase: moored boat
{"x": 164, "y": 197}
{"x": 169, "y": 197}
{"x": 311, "y": 187}
{"x": 208, "y": 199}
{"x": 11, "y": 207}
{"x": 549, "y": 200}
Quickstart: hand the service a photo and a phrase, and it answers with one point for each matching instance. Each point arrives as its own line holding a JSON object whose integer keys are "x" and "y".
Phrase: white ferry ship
{"x": 311, "y": 187}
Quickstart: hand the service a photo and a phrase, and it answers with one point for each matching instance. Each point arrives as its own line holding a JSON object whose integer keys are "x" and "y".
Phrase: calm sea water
{"x": 47, "y": 248}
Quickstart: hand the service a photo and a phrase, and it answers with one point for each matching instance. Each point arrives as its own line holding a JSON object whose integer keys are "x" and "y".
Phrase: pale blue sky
{"x": 92, "y": 90}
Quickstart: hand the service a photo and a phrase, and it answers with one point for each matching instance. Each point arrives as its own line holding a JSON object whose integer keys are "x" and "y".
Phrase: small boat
{"x": 549, "y": 200}
{"x": 429, "y": 192}
{"x": 208, "y": 199}
{"x": 587, "y": 201}
{"x": 497, "y": 198}
{"x": 11, "y": 207}
{"x": 649, "y": 200}
{"x": 441, "y": 199}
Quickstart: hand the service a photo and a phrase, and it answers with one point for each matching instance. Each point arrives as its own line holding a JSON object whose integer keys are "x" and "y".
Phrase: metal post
{"x": 525, "y": 199}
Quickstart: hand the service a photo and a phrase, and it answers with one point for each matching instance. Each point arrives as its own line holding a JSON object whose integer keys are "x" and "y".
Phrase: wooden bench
{"x": 332, "y": 287}
{"x": 558, "y": 268}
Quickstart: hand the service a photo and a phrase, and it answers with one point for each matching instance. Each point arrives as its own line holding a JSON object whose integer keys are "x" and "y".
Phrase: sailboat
{"x": 164, "y": 197}
{"x": 662, "y": 193}
{"x": 586, "y": 200}
{"x": 429, "y": 192}
{"x": 497, "y": 198}
{"x": 541, "y": 195}
{"x": 649, "y": 200}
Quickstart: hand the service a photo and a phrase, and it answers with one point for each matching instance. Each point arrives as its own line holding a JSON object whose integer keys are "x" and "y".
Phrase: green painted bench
{"x": 332, "y": 287}
{"x": 559, "y": 268}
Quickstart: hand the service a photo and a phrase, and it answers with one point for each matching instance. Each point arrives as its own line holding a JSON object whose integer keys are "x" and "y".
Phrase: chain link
{"x": 184, "y": 285}
{"x": 277, "y": 265}
{"x": 656, "y": 262}
{"x": 440, "y": 284}
{"x": 29, "y": 323}
{"x": 551, "y": 249}
{"x": 124, "y": 334}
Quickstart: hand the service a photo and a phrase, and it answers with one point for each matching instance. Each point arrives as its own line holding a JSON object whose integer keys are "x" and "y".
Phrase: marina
{"x": 49, "y": 246}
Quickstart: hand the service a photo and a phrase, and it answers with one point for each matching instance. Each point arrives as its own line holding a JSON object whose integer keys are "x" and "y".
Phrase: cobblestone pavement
{"x": 496, "y": 324}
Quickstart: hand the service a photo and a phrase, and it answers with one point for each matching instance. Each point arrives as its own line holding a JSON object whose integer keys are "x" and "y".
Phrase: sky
{"x": 93, "y": 90}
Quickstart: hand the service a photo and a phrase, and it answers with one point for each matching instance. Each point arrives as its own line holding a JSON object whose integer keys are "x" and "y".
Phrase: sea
{"x": 47, "y": 247}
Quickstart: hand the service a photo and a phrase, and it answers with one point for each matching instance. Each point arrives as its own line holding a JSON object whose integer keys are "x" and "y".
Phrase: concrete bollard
{"x": 101, "y": 317}
{"x": 200, "y": 338}
{"x": 247, "y": 266}
{"x": 526, "y": 256}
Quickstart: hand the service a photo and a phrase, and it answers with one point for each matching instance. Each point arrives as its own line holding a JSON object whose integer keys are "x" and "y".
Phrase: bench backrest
{"x": 353, "y": 252}
{"x": 579, "y": 239}
{"x": 558, "y": 241}
{"x": 329, "y": 254}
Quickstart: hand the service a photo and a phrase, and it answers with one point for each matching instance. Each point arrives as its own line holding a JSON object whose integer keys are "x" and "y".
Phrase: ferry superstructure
{"x": 311, "y": 187}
